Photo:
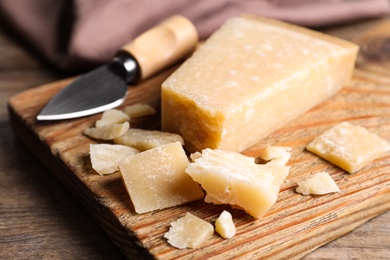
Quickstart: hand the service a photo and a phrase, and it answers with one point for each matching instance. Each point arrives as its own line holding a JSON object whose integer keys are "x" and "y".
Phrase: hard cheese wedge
{"x": 349, "y": 146}
{"x": 251, "y": 77}
{"x": 155, "y": 179}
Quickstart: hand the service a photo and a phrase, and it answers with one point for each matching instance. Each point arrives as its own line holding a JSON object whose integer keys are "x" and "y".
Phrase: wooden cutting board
{"x": 293, "y": 227}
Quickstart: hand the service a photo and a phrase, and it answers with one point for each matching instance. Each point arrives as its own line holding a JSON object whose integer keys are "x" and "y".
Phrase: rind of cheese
{"x": 235, "y": 179}
{"x": 139, "y": 110}
{"x": 112, "y": 116}
{"x": 319, "y": 184}
{"x": 107, "y": 132}
{"x": 251, "y": 77}
{"x": 105, "y": 158}
{"x": 349, "y": 146}
{"x": 189, "y": 232}
{"x": 156, "y": 179}
{"x": 224, "y": 225}
{"x": 147, "y": 139}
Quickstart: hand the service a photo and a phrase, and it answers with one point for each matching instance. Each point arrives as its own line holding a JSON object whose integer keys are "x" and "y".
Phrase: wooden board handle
{"x": 163, "y": 45}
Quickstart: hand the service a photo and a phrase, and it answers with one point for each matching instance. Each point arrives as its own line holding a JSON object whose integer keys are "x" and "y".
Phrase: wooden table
{"x": 38, "y": 218}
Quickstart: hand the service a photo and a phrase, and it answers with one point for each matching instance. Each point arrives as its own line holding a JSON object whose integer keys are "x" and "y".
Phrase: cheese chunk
{"x": 112, "y": 116}
{"x": 139, "y": 110}
{"x": 249, "y": 78}
{"x": 277, "y": 154}
{"x": 147, "y": 139}
{"x": 155, "y": 179}
{"x": 224, "y": 225}
{"x": 235, "y": 179}
{"x": 349, "y": 146}
{"x": 319, "y": 184}
{"x": 107, "y": 132}
{"x": 189, "y": 232}
{"x": 105, "y": 158}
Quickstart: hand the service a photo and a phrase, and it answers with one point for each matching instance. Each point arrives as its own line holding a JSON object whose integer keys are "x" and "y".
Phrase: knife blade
{"x": 106, "y": 86}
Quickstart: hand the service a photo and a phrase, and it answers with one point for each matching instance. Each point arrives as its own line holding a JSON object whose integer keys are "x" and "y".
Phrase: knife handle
{"x": 163, "y": 45}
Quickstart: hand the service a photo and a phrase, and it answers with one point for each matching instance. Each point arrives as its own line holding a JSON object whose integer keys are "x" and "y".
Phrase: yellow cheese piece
{"x": 251, "y": 77}
{"x": 232, "y": 178}
{"x": 139, "y": 110}
{"x": 276, "y": 154}
{"x": 147, "y": 139}
{"x": 155, "y": 179}
{"x": 105, "y": 158}
{"x": 107, "y": 132}
{"x": 349, "y": 146}
{"x": 224, "y": 225}
{"x": 189, "y": 232}
{"x": 319, "y": 184}
{"x": 112, "y": 116}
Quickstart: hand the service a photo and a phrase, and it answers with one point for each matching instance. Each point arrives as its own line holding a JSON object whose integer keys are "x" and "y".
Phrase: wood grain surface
{"x": 294, "y": 227}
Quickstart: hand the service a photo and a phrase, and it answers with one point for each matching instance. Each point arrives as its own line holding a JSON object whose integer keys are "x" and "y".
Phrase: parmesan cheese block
{"x": 189, "y": 232}
{"x": 232, "y": 178}
{"x": 349, "y": 146}
{"x": 319, "y": 184}
{"x": 155, "y": 179}
{"x": 251, "y": 77}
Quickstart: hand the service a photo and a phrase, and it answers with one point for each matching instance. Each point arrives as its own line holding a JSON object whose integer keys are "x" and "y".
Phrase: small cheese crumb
{"x": 189, "y": 232}
{"x": 112, "y": 116}
{"x": 139, "y": 110}
{"x": 279, "y": 155}
{"x": 348, "y": 146}
{"x": 224, "y": 225}
{"x": 319, "y": 184}
{"x": 107, "y": 132}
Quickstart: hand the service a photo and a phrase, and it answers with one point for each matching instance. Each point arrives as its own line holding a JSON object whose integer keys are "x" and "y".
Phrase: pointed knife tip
{"x": 45, "y": 117}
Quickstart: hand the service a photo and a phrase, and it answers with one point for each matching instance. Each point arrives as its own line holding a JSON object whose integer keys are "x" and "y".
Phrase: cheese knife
{"x": 105, "y": 87}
